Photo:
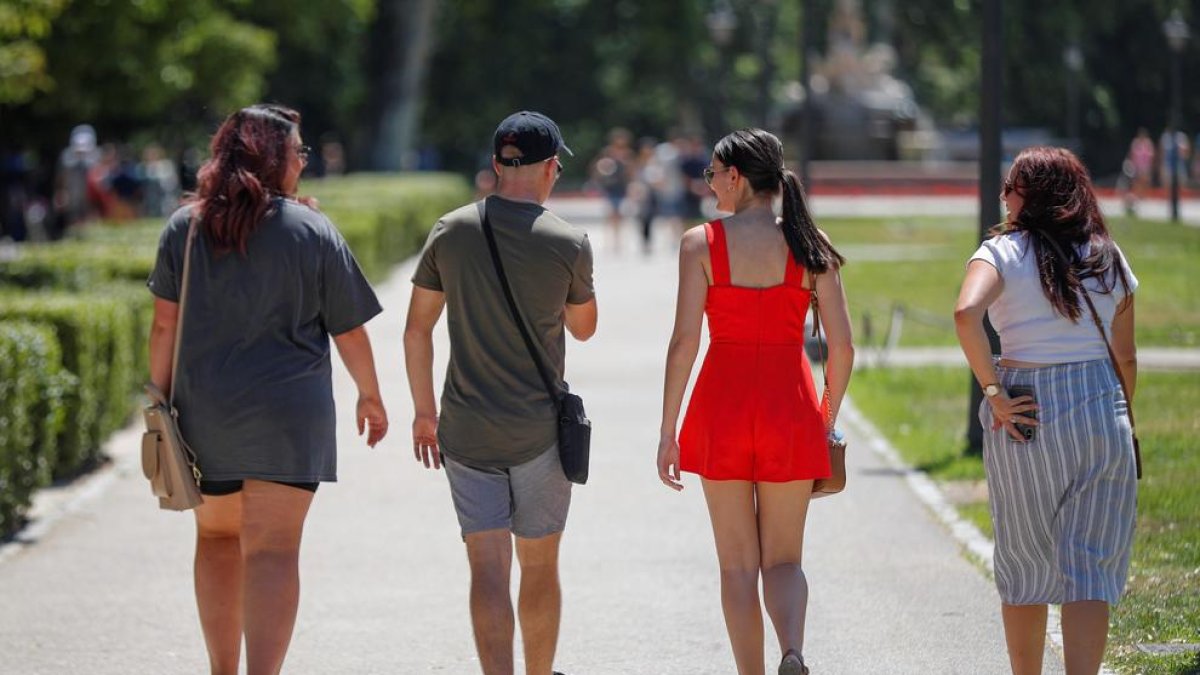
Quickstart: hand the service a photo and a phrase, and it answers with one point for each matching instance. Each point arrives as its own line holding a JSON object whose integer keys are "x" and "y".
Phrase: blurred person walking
{"x": 1059, "y": 457}
{"x": 1173, "y": 155}
{"x": 77, "y": 194}
{"x": 611, "y": 172}
{"x": 756, "y": 430}
{"x": 642, "y": 191}
{"x": 1137, "y": 171}
{"x": 160, "y": 182}
{"x": 497, "y": 432}
{"x": 270, "y": 280}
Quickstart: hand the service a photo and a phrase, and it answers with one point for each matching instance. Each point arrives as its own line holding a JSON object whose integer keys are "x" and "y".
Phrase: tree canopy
{"x": 169, "y": 70}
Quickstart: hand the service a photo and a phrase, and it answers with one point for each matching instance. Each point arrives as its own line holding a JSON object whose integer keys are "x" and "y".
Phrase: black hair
{"x": 758, "y": 155}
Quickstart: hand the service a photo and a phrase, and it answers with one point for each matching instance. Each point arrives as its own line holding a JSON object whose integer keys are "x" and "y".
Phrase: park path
{"x": 106, "y": 589}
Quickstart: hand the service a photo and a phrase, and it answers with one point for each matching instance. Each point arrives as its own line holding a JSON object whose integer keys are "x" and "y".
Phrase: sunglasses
{"x": 303, "y": 152}
{"x": 709, "y": 172}
{"x": 558, "y": 166}
{"x": 1009, "y": 187}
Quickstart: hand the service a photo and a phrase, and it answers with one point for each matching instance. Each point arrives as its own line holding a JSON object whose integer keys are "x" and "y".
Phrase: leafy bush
{"x": 386, "y": 218}
{"x": 76, "y": 265}
{"x": 96, "y": 333}
{"x": 33, "y": 391}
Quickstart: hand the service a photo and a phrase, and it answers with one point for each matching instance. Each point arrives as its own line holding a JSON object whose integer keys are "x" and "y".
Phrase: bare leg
{"x": 540, "y": 603}
{"x": 1025, "y": 633}
{"x": 614, "y": 225}
{"x": 490, "y": 556}
{"x": 782, "y": 511}
{"x": 273, "y": 522}
{"x": 735, "y": 529}
{"x": 1085, "y": 631}
{"x": 218, "y": 579}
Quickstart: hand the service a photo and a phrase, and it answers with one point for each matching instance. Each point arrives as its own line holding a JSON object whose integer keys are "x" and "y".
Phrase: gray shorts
{"x": 530, "y": 500}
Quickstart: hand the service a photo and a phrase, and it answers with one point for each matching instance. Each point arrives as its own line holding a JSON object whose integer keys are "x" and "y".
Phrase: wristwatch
{"x": 991, "y": 390}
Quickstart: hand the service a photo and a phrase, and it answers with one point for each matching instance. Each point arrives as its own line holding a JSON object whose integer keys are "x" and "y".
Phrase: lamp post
{"x": 1073, "y": 60}
{"x": 1176, "y": 30}
{"x": 991, "y": 124}
{"x": 722, "y": 22}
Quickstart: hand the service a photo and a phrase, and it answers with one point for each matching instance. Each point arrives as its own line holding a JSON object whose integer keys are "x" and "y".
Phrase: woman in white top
{"x": 1059, "y": 454}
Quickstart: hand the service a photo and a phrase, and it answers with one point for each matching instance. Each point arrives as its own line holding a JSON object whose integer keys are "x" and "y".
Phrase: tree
{"x": 22, "y": 60}
{"x": 157, "y": 65}
{"x": 401, "y": 43}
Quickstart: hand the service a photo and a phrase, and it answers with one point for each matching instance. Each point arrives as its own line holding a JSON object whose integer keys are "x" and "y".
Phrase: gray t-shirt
{"x": 495, "y": 409}
{"x": 254, "y": 388}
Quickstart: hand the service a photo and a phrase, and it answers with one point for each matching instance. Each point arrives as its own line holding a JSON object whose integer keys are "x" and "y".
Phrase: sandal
{"x": 792, "y": 664}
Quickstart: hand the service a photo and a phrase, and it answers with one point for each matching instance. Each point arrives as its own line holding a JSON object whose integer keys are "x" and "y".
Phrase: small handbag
{"x": 574, "y": 428}
{"x": 1112, "y": 358}
{"x": 167, "y": 460}
{"x": 824, "y": 487}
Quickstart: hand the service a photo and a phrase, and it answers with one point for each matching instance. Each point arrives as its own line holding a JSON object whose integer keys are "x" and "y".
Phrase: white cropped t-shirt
{"x": 1029, "y": 328}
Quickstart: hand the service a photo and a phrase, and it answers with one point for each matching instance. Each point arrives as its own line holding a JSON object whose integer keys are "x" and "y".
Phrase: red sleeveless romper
{"x": 754, "y": 413}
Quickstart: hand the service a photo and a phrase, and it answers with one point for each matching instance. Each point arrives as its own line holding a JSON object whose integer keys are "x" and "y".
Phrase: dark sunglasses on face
{"x": 1009, "y": 186}
{"x": 303, "y": 152}
{"x": 558, "y": 167}
{"x": 709, "y": 172}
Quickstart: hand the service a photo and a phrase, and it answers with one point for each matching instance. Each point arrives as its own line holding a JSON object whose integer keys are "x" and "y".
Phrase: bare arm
{"x": 839, "y": 339}
{"x": 682, "y": 350}
{"x": 1124, "y": 347}
{"x": 581, "y": 319}
{"x": 354, "y": 346}
{"x": 424, "y": 310}
{"x": 981, "y": 287}
{"x": 162, "y": 343}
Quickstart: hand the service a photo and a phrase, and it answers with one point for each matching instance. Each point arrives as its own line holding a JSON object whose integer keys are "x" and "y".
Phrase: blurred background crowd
{"x": 105, "y": 107}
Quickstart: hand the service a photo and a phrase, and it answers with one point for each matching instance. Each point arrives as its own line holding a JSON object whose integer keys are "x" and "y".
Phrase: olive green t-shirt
{"x": 495, "y": 409}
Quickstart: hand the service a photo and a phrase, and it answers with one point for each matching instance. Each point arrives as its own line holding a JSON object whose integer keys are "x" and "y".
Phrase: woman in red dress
{"x": 755, "y": 429}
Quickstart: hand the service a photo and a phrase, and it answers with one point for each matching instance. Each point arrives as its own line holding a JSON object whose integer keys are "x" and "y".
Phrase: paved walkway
{"x": 107, "y": 588}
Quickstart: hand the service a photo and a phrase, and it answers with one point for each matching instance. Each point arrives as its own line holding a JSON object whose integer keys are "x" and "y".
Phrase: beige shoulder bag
{"x": 167, "y": 460}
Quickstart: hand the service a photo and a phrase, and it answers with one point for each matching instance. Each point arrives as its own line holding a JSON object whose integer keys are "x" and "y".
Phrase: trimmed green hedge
{"x": 385, "y": 218}
{"x": 34, "y": 389}
{"x": 77, "y": 265}
{"x": 75, "y": 318}
{"x": 98, "y": 347}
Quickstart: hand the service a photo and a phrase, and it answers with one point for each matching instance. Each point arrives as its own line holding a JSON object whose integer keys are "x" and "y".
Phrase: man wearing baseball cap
{"x": 496, "y": 433}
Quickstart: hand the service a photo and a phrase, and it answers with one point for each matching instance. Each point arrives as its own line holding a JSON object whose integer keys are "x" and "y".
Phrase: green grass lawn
{"x": 1162, "y": 601}
{"x": 919, "y": 263}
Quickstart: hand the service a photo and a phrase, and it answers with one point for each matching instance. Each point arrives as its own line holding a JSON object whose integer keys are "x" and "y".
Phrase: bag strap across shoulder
{"x": 816, "y": 312}
{"x": 547, "y": 380}
{"x": 1112, "y": 357}
{"x": 183, "y": 294}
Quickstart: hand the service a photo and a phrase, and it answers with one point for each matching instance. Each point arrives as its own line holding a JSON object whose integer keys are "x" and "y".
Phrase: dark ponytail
{"x": 758, "y": 155}
{"x": 809, "y": 247}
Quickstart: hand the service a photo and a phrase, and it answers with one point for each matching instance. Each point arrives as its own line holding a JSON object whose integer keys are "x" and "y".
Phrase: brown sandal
{"x": 792, "y": 664}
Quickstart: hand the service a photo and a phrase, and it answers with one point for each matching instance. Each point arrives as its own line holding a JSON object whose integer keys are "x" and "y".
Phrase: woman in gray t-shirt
{"x": 270, "y": 279}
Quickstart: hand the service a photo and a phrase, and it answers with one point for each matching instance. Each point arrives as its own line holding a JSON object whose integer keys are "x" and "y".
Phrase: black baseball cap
{"x": 534, "y": 134}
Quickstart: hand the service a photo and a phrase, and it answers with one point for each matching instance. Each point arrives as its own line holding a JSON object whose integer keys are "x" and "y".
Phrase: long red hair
{"x": 235, "y": 187}
{"x": 1061, "y": 204}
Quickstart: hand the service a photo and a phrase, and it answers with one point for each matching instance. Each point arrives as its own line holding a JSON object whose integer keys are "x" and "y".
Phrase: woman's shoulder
{"x": 1011, "y": 242}
{"x": 298, "y": 215}
{"x": 177, "y": 225}
{"x": 695, "y": 240}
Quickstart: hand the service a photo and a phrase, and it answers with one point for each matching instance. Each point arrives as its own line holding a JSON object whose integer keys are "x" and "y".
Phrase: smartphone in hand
{"x": 1026, "y": 431}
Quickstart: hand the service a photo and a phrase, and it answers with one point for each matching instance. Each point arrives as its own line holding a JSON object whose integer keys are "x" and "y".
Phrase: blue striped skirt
{"x": 1064, "y": 504}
